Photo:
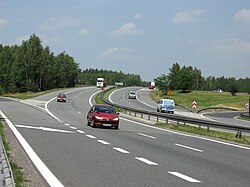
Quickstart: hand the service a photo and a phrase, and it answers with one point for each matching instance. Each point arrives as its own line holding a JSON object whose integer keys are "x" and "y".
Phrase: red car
{"x": 101, "y": 115}
{"x": 61, "y": 98}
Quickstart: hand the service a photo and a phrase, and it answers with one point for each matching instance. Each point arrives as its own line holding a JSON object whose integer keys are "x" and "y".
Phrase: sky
{"x": 144, "y": 37}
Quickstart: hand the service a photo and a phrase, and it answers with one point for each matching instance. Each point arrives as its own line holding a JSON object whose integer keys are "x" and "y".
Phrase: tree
{"x": 162, "y": 83}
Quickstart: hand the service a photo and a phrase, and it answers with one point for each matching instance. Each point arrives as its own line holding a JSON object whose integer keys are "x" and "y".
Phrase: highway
{"x": 134, "y": 155}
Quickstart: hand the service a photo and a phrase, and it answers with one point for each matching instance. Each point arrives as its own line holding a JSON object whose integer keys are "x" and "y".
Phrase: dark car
{"x": 61, "y": 97}
{"x": 102, "y": 115}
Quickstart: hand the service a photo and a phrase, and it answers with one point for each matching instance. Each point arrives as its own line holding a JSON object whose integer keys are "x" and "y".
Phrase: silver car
{"x": 132, "y": 95}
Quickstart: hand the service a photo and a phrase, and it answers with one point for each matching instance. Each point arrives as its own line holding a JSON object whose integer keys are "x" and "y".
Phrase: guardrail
{"x": 6, "y": 174}
{"x": 179, "y": 118}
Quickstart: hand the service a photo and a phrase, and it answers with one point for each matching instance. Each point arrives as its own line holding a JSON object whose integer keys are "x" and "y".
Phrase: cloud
{"x": 3, "y": 22}
{"x": 243, "y": 15}
{"x": 233, "y": 46}
{"x": 138, "y": 16}
{"x": 58, "y": 23}
{"x": 128, "y": 29}
{"x": 84, "y": 32}
{"x": 117, "y": 54}
{"x": 20, "y": 39}
{"x": 187, "y": 16}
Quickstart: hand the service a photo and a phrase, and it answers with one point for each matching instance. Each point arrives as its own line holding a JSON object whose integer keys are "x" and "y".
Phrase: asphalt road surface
{"x": 134, "y": 155}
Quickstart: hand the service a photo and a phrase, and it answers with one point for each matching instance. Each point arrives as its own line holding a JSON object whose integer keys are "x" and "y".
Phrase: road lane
{"x": 78, "y": 160}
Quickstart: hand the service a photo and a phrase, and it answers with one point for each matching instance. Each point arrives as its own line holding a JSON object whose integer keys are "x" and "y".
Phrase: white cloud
{"x": 243, "y": 15}
{"x": 57, "y": 23}
{"x": 138, "y": 16}
{"x": 117, "y": 54}
{"x": 84, "y": 32}
{"x": 187, "y": 16}
{"x": 20, "y": 39}
{"x": 3, "y": 22}
{"x": 128, "y": 29}
{"x": 233, "y": 46}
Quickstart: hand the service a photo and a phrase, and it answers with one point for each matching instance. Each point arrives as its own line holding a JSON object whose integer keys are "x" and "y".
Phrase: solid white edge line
{"x": 42, "y": 168}
{"x": 185, "y": 177}
{"x": 188, "y": 135}
{"x": 146, "y": 161}
{"x": 142, "y": 101}
{"x": 182, "y": 134}
{"x": 120, "y": 150}
{"x": 187, "y": 147}
{"x": 103, "y": 142}
{"x": 152, "y": 137}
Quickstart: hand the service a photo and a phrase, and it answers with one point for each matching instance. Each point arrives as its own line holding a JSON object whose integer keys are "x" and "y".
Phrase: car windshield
{"x": 105, "y": 109}
{"x": 132, "y": 93}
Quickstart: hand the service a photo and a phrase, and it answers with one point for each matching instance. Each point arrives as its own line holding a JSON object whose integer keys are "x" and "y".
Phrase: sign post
{"x": 248, "y": 107}
{"x": 194, "y": 105}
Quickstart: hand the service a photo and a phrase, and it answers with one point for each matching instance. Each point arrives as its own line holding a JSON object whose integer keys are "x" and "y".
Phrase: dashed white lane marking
{"x": 187, "y": 178}
{"x": 67, "y": 124}
{"x": 103, "y": 142}
{"x": 79, "y": 113}
{"x": 147, "y": 135}
{"x": 120, "y": 150}
{"x": 80, "y": 131}
{"x": 43, "y": 128}
{"x": 187, "y": 147}
{"x": 146, "y": 161}
{"x": 90, "y": 136}
{"x": 73, "y": 127}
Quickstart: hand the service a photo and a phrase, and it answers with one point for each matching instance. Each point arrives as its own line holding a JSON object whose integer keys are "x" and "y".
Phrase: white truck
{"x": 100, "y": 82}
{"x": 152, "y": 85}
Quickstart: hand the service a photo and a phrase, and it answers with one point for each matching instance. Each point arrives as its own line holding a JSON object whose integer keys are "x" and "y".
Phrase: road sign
{"x": 194, "y": 105}
{"x": 247, "y": 105}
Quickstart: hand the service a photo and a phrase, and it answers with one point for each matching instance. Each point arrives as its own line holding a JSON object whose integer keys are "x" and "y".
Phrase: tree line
{"x": 89, "y": 77}
{"x": 31, "y": 67}
{"x": 189, "y": 78}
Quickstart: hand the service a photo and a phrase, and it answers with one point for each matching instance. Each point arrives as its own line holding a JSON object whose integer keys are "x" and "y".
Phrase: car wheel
{"x": 88, "y": 123}
{"x": 117, "y": 127}
{"x": 93, "y": 124}
{"x": 157, "y": 110}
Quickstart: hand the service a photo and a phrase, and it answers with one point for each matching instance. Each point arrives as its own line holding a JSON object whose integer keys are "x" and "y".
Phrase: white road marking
{"x": 120, "y": 150}
{"x": 73, "y": 127}
{"x": 147, "y": 135}
{"x": 103, "y": 142}
{"x": 67, "y": 124}
{"x": 42, "y": 168}
{"x": 146, "y": 161}
{"x": 90, "y": 136}
{"x": 43, "y": 128}
{"x": 79, "y": 113}
{"x": 80, "y": 131}
{"x": 187, "y": 135}
{"x": 187, "y": 147}
{"x": 187, "y": 178}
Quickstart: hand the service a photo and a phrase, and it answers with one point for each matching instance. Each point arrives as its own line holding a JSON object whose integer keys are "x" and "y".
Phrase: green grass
{"x": 18, "y": 174}
{"x": 29, "y": 95}
{"x": 204, "y": 132}
{"x": 205, "y": 99}
{"x": 98, "y": 99}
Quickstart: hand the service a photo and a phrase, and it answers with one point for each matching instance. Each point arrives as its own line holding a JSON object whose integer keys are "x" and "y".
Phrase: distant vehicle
{"x": 132, "y": 95}
{"x": 103, "y": 115}
{"x": 152, "y": 85}
{"x": 61, "y": 97}
{"x": 100, "y": 83}
{"x": 166, "y": 105}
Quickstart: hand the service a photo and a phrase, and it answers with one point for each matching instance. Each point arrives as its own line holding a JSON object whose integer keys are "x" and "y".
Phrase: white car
{"x": 132, "y": 95}
{"x": 166, "y": 105}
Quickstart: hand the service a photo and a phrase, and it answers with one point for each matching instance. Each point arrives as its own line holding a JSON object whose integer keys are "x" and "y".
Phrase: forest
{"x": 31, "y": 67}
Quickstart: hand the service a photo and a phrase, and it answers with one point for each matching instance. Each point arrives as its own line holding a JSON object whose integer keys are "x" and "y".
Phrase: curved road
{"x": 134, "y": 155}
